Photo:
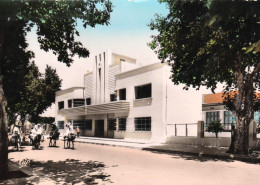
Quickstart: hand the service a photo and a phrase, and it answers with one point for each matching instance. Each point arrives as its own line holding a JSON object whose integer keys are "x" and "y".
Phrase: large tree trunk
{"x": 3, "y": 135}
{"x": 241, "y": 141}
{"x": 243, "y": 110}
{"x": 3, "y": 115}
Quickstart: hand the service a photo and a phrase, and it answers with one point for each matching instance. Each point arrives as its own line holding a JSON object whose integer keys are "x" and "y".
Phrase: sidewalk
{"x": 202, "y": 151}
{"x": 140, "y": 144}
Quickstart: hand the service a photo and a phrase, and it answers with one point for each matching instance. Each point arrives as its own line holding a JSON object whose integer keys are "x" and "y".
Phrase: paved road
{"x": 128, "y": 166}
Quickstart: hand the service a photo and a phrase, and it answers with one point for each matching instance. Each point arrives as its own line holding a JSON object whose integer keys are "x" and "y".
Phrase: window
{"x": 78, "y": 123}
{"x": 88, "y": 101}
{"x": 229, "y": 118}
{"x": 112, "y": 97}
{"x": 78, "y": 102}
{"x": 143, "y": 124}
{"x": 257, "y": 117}
{"x": 61, "y": 105}
{"x": 122, "y": 94}
{"x": 211, "y": 116}
{"x": 60, "y": 124}
{"x": 88, "y": 124}
{"x": 111, "y": 124}
{"x": 122, "y": 124}
{"x": 144, "y": 91}
{"x": 69, "y": 103}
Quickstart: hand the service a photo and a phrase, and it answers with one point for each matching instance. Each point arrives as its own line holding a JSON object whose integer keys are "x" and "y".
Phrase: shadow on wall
{"x": 69, "y": 171}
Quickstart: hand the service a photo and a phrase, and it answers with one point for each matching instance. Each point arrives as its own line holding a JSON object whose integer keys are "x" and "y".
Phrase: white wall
{"x": 155, "y": 109}
{"x": 73, "y": 94}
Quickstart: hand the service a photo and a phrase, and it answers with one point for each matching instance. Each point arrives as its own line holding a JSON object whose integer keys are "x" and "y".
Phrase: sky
{"x": 128, "y": 33}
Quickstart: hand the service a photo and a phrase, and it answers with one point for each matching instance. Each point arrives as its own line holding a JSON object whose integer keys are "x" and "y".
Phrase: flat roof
{"x": 68, "y": 90}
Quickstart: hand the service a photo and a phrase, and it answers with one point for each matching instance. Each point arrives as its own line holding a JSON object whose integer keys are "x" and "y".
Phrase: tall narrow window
{"x": 88, "y": 124}
{"x": 122, "y": 94}
{"x": 122, "y": 124}
{"x": 69, "y": 103}
{"x": 88, "y": 101}
{"x": 143, "y": 91}
{"x": 61, "y": 105}
{"x": 111, "y": 124}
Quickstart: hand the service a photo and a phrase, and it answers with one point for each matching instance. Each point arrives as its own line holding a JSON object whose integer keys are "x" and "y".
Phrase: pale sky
{"x": 128, "y": 34}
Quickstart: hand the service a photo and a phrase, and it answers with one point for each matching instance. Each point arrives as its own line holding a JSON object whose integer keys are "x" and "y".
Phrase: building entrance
{"x": 99, "y": 128}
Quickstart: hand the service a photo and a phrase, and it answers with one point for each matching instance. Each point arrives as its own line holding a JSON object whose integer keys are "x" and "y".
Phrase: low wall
{"x": 219, "y": 142}
{"x": 209, "y": 141}
{"x": 131, "y": 135}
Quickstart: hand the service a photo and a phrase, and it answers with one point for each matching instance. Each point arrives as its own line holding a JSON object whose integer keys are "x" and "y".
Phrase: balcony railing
{"x": 106, "y": 108}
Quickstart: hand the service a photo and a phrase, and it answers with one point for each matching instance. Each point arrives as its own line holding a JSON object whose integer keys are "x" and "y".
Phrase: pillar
{"x": 200, "y": 129}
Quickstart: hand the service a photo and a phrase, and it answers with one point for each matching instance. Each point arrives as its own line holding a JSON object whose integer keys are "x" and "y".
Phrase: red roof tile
{"x": 217, "y": 98}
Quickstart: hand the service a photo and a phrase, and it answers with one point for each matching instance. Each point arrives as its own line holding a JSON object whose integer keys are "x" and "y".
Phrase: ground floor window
{"x": 211, "y": 116}
{"x": 229, "y": 120}
{"x": 78, "y": 123}
{"x": 88, "y": 124}
{"x": 122, "y": 124}
{"x": 143, "y": 124}
{"x": 60, "y": 124}
{"x": 257, "y": 117}
{"x": 111, "y": 124}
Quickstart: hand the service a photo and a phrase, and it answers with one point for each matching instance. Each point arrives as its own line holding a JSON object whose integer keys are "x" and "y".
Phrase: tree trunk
{"x": 243, "y": 108}
{"x": 3, "y": 135}
{"x": 3, "y": 114}
{"x": 241, "y": 141}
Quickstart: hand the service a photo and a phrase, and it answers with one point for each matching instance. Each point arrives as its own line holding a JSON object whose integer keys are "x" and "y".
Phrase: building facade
{"x": 121, "y": 100}
{"x": 213, "y": 109}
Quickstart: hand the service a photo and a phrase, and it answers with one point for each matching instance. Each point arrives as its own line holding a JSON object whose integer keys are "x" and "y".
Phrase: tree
{"x": 215, "y": 127}
{"x": 56, "y": 23}
{"x": 36, "y": 94}
{"x": 207, "y": 45}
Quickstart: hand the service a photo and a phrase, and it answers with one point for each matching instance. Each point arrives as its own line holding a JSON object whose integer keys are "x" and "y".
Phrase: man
{"x": 78, "y": 131}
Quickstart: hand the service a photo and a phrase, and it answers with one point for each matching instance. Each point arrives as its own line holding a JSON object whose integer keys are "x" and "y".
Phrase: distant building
{"x": 121, "y": 100}
{"x": 214, "y": 109}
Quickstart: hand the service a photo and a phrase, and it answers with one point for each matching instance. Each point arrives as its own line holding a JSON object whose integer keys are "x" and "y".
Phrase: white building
{"x": 121, "y": 100}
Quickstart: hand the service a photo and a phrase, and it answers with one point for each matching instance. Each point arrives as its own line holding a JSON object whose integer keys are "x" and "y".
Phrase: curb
{"x": 247, "y": 159}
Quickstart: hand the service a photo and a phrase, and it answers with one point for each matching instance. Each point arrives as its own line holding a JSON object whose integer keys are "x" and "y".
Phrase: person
{"x": 66, "y": 130}
{"x": 53, "y": 127}
{"x": 16, "y": 130}
{"x": 78, "y": 131}
{"x": 37, "y": 130}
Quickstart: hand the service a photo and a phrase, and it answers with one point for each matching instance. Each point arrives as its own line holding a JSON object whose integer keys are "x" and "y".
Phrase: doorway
{"x": 99, "y": 128}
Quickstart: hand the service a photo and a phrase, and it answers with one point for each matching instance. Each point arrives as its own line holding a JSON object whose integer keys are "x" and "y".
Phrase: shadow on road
{"x": 69, "y": 171}
{"x": 195, "y": 157}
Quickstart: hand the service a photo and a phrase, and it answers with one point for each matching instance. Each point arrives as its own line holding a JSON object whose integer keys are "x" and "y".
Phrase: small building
{"x": 214, "y": 109}
{"x": 119, "y": 99}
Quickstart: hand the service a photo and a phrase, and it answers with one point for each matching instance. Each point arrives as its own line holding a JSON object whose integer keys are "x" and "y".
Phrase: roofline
{"x": 123, "y": 56}
{"x": 69, "y": 89}
{"x": 142, "y": 69}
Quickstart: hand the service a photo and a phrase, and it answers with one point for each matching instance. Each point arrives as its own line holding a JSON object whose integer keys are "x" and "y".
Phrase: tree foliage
{"x": 213, "y": 42}
{"x": 36, "y": 94}
{"x": 215, "y": 127}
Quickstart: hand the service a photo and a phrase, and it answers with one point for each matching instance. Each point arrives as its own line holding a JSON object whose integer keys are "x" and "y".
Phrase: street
{"x": 100, "y": 164}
